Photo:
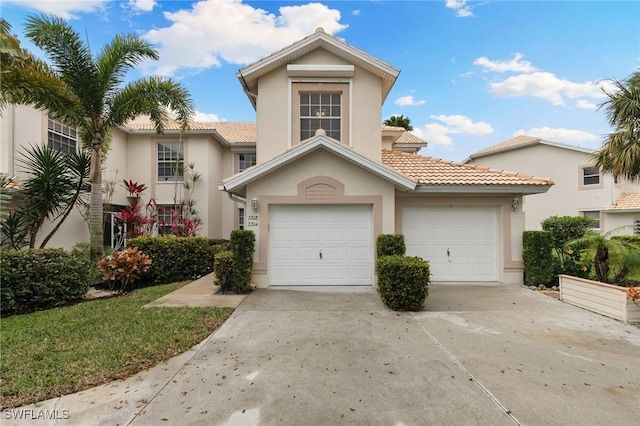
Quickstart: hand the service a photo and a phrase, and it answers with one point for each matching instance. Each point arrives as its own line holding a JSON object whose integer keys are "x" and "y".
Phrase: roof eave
{"x": 483, "y": 189}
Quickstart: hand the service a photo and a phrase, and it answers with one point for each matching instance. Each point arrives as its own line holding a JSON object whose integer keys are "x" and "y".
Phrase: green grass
{"x": 64, "y": 350}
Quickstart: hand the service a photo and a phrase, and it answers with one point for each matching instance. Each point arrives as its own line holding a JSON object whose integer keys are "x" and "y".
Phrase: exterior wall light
{"x": 254, "y": 204}
{"x": 515, "y": 202}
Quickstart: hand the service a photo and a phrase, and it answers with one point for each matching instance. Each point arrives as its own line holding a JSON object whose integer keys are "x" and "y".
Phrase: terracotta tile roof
{"x": 393, "y": 129}
{"x": 509, "y": 143}
{"x": 627, "y": 201}
{"x": 238, "y": 132}
{"x": 433, "y": 171}
{"x": 409, "y": 138}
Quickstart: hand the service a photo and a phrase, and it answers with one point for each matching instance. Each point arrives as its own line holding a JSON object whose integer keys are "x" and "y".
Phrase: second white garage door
{"x": 460, "y": 243}
{"x": 320, "y": 245}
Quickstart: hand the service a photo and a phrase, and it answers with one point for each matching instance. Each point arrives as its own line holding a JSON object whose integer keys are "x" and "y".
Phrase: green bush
{"x": 174, "y": 258}
{"x": 223, "y": 267}
{"x": 403, "y": 282}
{"x": 390, "y": 244}
{"x": 537, "y": 256}
{"x": 633, "y": 239}
{"x": 42, "y": 278}
{"x": 564, "y": 229}
{"x": 242, "y": 246}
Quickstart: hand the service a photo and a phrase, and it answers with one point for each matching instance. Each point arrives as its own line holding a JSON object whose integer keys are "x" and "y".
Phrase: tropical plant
{"x": 620, "y": 153}
{"x": 399, "y": 121}
{"x": 90, "y": 93}
{"x": 133, "y": 188}
{"x": 612, "y": 259}
{"x": 121, "y": 268}
{"x": 55, "y": 184}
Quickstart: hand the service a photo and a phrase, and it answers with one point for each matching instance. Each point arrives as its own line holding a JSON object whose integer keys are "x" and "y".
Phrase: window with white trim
{"x": 595, "y": 215}
{"x": 590, "y": 176}
{"x": 170, "y": 161}
{"x": 168, "y": 214}
{"x": 61, "y": 137}
{"x": 636, "y": 225}
{"x": 240, "y": 218}
{"x": 245, "y": 161}
{"x": 320, "y": 111}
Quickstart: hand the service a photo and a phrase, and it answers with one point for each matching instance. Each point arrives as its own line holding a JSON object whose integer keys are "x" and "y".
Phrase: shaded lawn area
{"x": 65, "y": 350}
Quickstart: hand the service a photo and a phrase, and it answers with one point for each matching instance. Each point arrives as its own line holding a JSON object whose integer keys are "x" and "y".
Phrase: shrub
{"x": 223, "y": 267}
{"x": 632, "y": 239}
{"x": 537, "y": 256}
{"x": 242, "y": 245}
{"x": 219, "y": 245}
{"x": 121, "y": 268}
{"x": 564, "y": 229}
{"x": 390, "y": 244}
{"x": 403, "y": 282}
{"x": 174, "y": 258}
{"x": 42, "y": 278}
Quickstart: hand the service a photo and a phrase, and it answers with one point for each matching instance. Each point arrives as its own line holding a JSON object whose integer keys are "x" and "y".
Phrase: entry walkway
{"x": 200, "y": 293}
{"x": 478, "y": 355}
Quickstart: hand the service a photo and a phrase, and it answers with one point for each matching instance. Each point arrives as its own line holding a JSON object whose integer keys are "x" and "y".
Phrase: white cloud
{"x": 463, "y": 10}
{"x": 142, "y": 5}
{"x": 355, "y": 12}
{"x": 439, "y": 133}
{"x": 409, "y": 101}
{"x": 213, "y": 31}
{"x": 516, "y": 64}
{"x": 64, "y": 9}
{"x": 584, "y": 104}
{"x": 547, "y": 86}
{"x": 559, "y": 135}
{"x": 202, "y": 116}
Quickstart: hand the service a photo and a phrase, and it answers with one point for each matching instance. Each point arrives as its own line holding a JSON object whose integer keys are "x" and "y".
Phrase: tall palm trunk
{"x": 96, "y": 209}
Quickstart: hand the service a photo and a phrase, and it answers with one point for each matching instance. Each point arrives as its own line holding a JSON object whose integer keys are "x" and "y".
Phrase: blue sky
{"x": 472, "y": 73}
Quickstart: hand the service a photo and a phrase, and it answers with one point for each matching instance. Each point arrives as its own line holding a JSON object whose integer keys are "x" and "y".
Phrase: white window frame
{"x": 591, "y": 214}
{"x": 241, "y": 217}
{"x": 241, "y": 163}
{"x": 320, "y": 110}
{"x": 61, "y": 137}
{"x": 178, "y": 160}
{"x": 636, "y": 225}
{"x": 585, "y": 174}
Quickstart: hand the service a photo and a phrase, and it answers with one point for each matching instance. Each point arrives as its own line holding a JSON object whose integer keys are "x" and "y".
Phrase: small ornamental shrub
{"x": 564, "y": 229}
{"x": 242, "y": 245}
{"x": 121, "y": 268}
{"x": 42, "y": 278}
{"x": 219, "y": 245}
{"x": 390, "y": 244}
{"x": 403, "y": 282}
{"x": 537, "y": 257}
{"x": 223, "y": 268}
{"x": 174, "y": 258}
{"x": 633, "y": 294}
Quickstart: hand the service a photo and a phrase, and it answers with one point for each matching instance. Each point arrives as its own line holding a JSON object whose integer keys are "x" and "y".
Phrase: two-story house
{"x": 317, "y": 178}
{"x": 580, "y": 189}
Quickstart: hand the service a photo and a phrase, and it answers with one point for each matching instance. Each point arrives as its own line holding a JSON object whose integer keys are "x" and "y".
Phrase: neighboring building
{"x": 580, "y": 188}
{"x": 317, "y": 178}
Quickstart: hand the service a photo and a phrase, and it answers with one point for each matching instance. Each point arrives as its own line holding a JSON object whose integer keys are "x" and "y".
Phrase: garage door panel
{"x": 468, "y": 234}
{"x": 342, "y": 233}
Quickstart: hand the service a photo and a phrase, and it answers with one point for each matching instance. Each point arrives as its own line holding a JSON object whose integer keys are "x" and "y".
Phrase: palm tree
{"x": 620, "y": 153}
{"x": 90, "y": 93}
{"x": 399, "y": 121}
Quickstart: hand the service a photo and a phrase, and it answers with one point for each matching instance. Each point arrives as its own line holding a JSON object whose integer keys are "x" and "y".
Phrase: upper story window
{"x": 245, "y": 161}
{"x": 320, "y": 111}
{"x": 61, "y": 137}
{"x": 170, "y": 161}
{"x": 590, "y": 176}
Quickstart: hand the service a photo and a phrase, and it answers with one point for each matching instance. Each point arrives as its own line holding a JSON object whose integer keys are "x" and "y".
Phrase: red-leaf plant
{"x": 123, "y": 267}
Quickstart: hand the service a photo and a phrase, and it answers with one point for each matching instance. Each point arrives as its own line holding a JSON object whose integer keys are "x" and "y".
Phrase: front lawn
{"x": 50, "y": 353}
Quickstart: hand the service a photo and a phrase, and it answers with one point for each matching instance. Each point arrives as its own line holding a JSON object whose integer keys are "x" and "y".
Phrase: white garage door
{"x": 460, "y": 243}
{"x": 320, "y": 245}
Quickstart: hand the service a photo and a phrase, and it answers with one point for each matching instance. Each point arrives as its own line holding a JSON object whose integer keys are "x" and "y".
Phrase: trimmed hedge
{"x": 223, "y": 267}
{"x": 403, "y": 282}
{"x": 390, "y": 244}
{"x": 174, "y": 258}
{"x": 242, "y": 246}
{"x": 42, "y": 278}
{"x": 537, "y": 256}
{"x": 633, "y": 239}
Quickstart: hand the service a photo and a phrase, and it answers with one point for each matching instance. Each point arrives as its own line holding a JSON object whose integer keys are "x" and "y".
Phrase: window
{"x": 636, "y": 225}
{"x": 245, "y": 161}
{"x": 170, "y": 161}
{"x": 320, "y": 111}
{"x": 61, "y": 137}
{"x": 240, "y": 218}
{"x": 590, "y": 176}
{"x": 595, "y": 215}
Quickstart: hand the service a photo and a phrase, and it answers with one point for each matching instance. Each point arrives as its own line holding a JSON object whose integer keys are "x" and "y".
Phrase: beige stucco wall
{"x": 620, "y": 223}
{"x": 275, "y": 115}
{"x": 566, "y": 197}
{"x": 511, "y": 225}
{"x": 287, "y": 186}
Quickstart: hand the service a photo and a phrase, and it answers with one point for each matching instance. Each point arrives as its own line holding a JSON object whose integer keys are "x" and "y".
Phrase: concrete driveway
{"x": 478, "y": 355}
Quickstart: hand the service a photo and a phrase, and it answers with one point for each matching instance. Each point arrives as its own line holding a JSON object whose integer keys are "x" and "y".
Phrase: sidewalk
{"x": 199, "y": 294}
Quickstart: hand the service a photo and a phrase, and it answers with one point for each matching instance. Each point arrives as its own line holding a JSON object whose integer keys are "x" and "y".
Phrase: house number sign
{"x": 252, "y": 221}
